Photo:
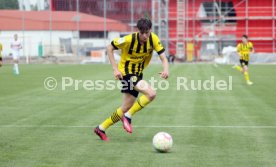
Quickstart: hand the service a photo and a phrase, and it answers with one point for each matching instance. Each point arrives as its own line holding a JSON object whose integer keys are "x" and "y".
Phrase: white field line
{"x": 144, "y": 126}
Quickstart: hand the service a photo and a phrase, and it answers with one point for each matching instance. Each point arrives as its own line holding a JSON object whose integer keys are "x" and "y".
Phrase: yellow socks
{"x": 239, "y": 68}
{"x": 245, "y": 73}
{"x": 246, "y": 76}
{"x": 115, "y": 117}
{"x": 138, "y": 105}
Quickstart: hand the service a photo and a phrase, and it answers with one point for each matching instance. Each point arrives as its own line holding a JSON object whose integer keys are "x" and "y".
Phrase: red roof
{"x": 61, "y": 20}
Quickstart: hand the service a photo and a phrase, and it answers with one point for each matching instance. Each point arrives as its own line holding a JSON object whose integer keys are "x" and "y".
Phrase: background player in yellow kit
{"x": 245, "y": 48}
{"x": 136, "y": 53}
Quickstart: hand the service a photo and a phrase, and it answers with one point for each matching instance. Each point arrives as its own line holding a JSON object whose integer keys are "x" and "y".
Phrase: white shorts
{"x": 15, "y": 55}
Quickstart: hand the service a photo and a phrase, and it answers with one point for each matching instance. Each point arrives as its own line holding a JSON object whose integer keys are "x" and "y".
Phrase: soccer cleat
{"x": 100, "y": 133}
{"x": 127, "y": 124}
{"x": 249, "y": 83}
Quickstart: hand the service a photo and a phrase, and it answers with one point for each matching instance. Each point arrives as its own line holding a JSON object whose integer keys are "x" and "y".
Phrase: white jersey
{"x": 16, "y": 46}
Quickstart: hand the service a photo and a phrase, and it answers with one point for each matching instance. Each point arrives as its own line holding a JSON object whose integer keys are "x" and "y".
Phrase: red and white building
{"x": 49, "y": 28}
{"x": 222, "y": 22}
{"x": 192, "y": 25}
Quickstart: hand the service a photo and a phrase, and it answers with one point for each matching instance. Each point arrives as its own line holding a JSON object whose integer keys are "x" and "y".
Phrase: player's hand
{"x": 118, "y": 74}
{"x": 164, "y": 74}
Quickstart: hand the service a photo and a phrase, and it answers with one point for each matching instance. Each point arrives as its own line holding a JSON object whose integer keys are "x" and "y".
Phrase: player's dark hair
{"x": 144, "y": 24}
{"x": 245, "y": 36}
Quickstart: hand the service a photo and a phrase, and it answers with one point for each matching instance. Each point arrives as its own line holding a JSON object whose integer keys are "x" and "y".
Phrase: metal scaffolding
{"x": 181, "y": 29}
{"x": 177, "y": 22}
{"x": 187, "y": 25}
{"x": 160, "y": 21}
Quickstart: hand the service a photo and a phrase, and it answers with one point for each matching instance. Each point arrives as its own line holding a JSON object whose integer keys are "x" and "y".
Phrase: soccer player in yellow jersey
{"x": 136, "y": 52}
{"x": 245, "y": 48}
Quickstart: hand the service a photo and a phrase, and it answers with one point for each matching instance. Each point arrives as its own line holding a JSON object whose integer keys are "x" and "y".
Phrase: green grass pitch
{"x": 42, "y": 128}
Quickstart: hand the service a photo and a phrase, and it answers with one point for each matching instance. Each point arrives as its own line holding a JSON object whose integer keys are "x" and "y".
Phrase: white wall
{"x": 32, "y": 39}
{"x": 40, "y": 4}
{"x": 100, "y": 42}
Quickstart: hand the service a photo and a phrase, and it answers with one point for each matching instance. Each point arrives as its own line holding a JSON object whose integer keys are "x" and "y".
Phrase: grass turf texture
{"x": 41, "y": 128}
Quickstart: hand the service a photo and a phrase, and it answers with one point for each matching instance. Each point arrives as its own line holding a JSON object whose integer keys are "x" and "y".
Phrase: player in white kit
{"x": 16, "y": 46}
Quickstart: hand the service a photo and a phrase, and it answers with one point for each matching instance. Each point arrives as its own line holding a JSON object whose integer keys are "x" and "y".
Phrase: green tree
{"x": 9, "y": 4}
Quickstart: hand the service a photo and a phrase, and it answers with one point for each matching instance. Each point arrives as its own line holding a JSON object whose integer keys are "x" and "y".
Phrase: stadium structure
{"x": 60, "y": 89}
{"x": 191, "y": 30}
{"x": 190, "y": 26}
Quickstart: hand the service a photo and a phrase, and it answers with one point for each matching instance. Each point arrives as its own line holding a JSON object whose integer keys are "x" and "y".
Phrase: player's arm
{"x": 158, "y": 47}
{"x": 252, "y": 49}
{"x": 110, "y": 54}
{"x": 165, "y": 73}
{"x": 117, "y": 43}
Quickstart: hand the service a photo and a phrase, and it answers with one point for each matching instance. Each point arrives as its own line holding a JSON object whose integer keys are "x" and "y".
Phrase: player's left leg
{"x": 246, "y": 75}
{"x": 116, "y": 116}
{"x": 148, "y": 96}
{"x": 15, "y": 63}
{"x": 239, "y": 68}
{"x": 15, "y": 67}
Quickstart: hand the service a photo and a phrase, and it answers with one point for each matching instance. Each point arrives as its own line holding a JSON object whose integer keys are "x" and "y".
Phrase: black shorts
{"x": 128, "y": 83}
{"x": 1, "y": 59}
{"x": 244, "y": 63}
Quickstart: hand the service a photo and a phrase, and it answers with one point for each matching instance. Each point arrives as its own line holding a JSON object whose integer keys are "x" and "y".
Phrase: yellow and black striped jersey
{"x": 244, "y": 50}
{"x": 135, "y": 56}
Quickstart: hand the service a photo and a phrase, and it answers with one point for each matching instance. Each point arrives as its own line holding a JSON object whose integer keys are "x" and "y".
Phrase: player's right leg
{"x": 239, "y": 68}
{"x": 15, "y": 57}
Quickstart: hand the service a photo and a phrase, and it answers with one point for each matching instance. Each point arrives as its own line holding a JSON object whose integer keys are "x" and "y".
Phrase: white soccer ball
{"x": 162, "y": 142}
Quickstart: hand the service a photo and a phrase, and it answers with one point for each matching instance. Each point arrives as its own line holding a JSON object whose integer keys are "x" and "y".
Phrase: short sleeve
{"x": 119, "y": 43}
{"x": 158, "y": 47}
{"x": 239, "y": 47}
